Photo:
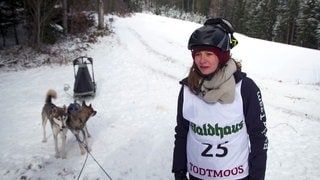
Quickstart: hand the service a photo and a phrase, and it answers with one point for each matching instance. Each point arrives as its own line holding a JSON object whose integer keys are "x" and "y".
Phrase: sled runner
{"x": 84, "y": 85}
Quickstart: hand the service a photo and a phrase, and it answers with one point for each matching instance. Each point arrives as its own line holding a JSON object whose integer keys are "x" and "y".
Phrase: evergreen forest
{"x": 295, "y": 22}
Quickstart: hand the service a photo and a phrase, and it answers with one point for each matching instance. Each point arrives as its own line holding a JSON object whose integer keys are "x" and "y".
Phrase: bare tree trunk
{"x": 41, "y": 11}
{"x": 3, "y": 34}
{"x": 188, "y": 6}
{"x": 214, "y": 8}
{"x": 14, "y": 23}
{"x": 38, "y": 25}
{"x": 65, "y": 17}
{"x": 35, "y": 9}
{"x": 148, "y": 5}
{"x": 182, "y": 5}
{"x": 193, "y": 5}
{"x": 292, "y": 34}
{"x": 100, "y": 15}
{"x": 15, "y": 33}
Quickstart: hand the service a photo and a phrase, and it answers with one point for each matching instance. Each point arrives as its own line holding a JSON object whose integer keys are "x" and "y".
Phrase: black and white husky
{"x": 57, "y": 117}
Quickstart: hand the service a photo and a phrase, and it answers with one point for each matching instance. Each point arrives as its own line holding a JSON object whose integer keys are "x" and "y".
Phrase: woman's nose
{"x": 202, "y": 58}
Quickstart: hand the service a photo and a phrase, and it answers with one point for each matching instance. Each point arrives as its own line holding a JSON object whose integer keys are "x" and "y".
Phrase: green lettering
{"x": 193, "y": 127}
{"x": 204, "y": 130}
{"x": 227, "y": 130}
{"x": 241, "y": 125}
{"x": 219, "y": 130}
{"x": 210, "y": 130}
{"x": 199, "y": 131}
{"x": 235, "y": 128}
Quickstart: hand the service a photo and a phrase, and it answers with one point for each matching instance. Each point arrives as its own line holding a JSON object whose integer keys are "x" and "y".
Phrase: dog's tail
{"x": 51, "y": 94}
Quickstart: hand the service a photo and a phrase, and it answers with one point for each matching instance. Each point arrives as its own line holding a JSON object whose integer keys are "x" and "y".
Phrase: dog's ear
{"x": 84, "y": 103}
{"x": 54, "y": 111}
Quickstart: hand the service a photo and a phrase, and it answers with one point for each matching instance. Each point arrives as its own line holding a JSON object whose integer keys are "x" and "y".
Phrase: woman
{"x": 220, "y": 131}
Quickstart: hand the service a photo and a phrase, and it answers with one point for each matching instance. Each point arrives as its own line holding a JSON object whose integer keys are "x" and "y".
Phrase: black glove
{"x": 180, "y": 175}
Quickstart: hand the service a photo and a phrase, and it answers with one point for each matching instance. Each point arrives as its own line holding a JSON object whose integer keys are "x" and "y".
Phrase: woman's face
{"x": 206, "y": 61}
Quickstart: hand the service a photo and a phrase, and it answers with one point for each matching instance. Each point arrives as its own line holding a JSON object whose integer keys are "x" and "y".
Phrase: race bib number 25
{"x": 207, "y": 152}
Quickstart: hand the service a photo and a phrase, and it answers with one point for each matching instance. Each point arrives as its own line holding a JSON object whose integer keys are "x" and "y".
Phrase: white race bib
{"x": 218, "y": 143}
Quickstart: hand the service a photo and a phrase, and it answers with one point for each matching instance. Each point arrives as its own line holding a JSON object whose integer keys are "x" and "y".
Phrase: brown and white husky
{"x": 57, "y": 117}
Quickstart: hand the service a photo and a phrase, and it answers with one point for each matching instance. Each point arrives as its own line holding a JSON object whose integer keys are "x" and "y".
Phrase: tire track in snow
{"x": 171, "y": 62}
{"x": 146, "y": 56}
{"x": 155, "y": 52}
{"x": 295, "y": 113}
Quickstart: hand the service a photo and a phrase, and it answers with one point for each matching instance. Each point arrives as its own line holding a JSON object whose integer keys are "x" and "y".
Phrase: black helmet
{"x": 216, "y": 32}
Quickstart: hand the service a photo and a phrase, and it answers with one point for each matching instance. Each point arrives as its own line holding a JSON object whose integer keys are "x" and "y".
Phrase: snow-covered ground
{"x": 137, "y": 70}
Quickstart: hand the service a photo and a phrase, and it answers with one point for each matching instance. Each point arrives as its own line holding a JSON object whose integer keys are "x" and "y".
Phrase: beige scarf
{"x": 221, "y": 87}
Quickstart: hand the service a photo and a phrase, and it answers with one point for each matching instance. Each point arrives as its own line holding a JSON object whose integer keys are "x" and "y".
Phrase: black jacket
{"x": 255, "y": 120}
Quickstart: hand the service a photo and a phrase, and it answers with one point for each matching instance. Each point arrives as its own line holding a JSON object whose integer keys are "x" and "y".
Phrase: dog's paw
{"x": 57, "y": 155}
{"x": 63, "y": 154}
{"x": 83, "y": 152}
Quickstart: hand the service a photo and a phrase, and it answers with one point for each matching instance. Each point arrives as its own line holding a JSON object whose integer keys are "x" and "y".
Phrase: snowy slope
{"x": 137, "y": 70}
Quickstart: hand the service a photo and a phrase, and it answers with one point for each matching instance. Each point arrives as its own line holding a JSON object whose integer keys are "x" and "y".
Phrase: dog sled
{"x": 84, "y": 84}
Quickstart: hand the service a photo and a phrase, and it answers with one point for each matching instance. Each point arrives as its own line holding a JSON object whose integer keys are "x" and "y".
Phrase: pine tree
{"x": 239, "y": 16}
{"x": 307, "y": 25}
{"x": 285, "y": 30}
{"x": 317, "y": 17}
{"x": 257, "y": 20}
{"x": 10, "y": 17}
